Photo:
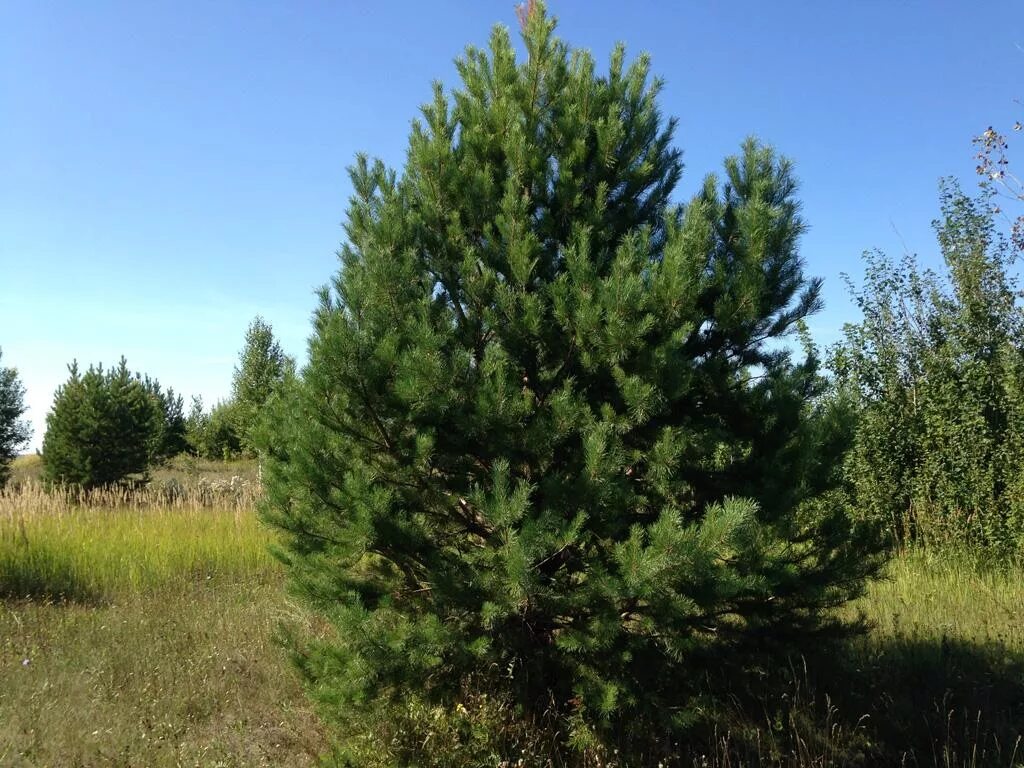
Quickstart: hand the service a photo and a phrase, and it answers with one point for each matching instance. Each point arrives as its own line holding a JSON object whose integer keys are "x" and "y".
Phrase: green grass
{"x": 937, "y": 681}
{"x": 941, "y": 675}
{"x": 936, "y": 595}
{"x": 138, "y": 631}
{"x": 96, "y": 553}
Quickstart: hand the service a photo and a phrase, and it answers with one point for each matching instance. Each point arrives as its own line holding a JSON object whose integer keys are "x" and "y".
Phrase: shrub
{"x": 935, "y": 370}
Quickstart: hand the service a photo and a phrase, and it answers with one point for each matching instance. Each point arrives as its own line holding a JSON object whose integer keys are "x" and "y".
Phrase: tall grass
{"x": 136, "y": 629}
{"x": 956, "y": 595}
{"x": 79, "y": 545}
{"x": 185, "y": 677}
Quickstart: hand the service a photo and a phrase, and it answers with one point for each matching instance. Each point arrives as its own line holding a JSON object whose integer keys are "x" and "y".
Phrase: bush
{"x": 548, "y": 446}
{"x": 935, "y": 370}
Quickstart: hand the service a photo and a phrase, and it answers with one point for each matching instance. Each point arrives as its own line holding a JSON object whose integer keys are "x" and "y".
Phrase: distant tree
{"x": 213, "y": 434}
{"x": 169, "y": 439}
{"x": 261, "y": 367}
{"x": 551, "y": 450}
{"x": 935, "y": 368}
{"x": 14, "y": 431}
{"x": 108, "y": 426}
{"x": 197, "y": 424}
{"x": 223, "y": 438}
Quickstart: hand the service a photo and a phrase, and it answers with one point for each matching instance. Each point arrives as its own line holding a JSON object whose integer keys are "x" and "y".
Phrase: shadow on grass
{"x": 899, "y": 702}
{"x": 943, "y": 702}
{"x": 51, "y": 579}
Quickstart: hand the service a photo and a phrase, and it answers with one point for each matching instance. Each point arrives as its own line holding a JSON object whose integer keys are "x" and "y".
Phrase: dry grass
{"x": 186, "y": 470}
{"x": 188, "y": 676}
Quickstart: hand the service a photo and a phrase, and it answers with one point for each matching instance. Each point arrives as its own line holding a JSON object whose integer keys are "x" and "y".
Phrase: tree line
{"x": 110, "y": 426}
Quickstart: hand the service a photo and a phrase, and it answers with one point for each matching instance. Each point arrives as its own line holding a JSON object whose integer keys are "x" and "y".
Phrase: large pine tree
{"x": 548, "y": 446}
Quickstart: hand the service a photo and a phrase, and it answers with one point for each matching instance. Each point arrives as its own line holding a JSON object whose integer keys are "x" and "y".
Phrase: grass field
{"x": 138, "y": 630}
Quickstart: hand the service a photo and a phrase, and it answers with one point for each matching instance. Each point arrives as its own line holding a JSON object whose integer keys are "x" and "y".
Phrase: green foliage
{"x": 224, "y": 436}
{"x": 197, "y": 423}
{"x": 548, "y": 445}
{"x": 169, "y": 438}
{"x": 227, "y": 431}
{"x": 213, "y": 435}
{"x": 14, "y": 431}
{"x": 936, "y": 372}
{"x": 108, "y": 427}
{"x": 262, "y": 365}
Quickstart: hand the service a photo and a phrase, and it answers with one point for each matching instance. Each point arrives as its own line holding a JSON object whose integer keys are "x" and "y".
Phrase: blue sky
{"x": 169, "y": 170}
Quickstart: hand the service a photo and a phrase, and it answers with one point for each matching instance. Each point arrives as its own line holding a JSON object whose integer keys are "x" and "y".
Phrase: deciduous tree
{"x": 935, "y": 368}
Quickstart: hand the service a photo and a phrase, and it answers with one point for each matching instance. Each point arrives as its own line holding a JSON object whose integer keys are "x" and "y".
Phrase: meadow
{"x": 138, "y": 629}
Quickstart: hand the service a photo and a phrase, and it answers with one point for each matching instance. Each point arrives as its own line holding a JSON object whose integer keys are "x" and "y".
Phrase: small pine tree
{"x": 262, "y": 365}
{"x": 169, "y": 438}
{"x": 102, "y": 428}
{"x": 14, "y": 431}
{"x": 548, "y": 449}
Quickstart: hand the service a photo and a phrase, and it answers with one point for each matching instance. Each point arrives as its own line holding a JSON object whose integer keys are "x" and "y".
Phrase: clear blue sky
{"x": 170, "y": 169}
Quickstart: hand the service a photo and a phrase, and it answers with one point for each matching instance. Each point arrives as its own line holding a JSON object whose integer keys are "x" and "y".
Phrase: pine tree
{"x": 549, "y": 448}
{"x": 102, "y": 428}
{"x": 169, "y": 438}
{"x": 261, "y": 367}
{"x": 14, "y": 431}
